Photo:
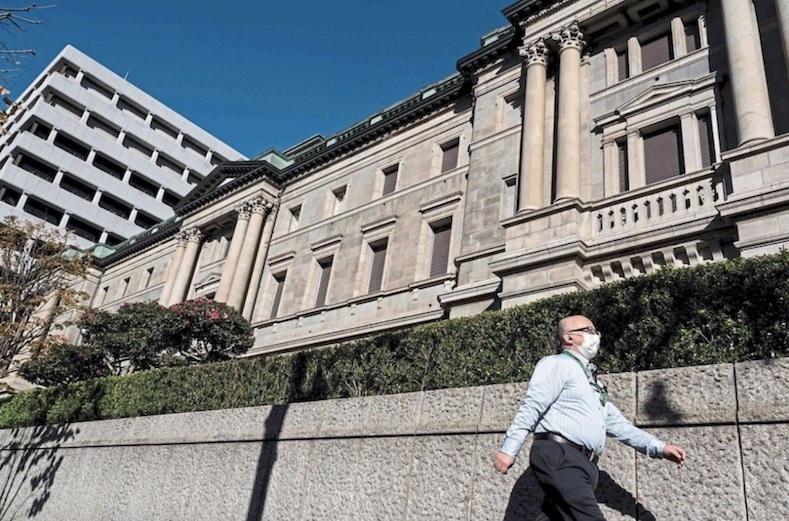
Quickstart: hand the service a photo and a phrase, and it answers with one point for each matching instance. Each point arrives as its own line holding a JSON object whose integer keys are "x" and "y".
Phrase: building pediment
{"x": 209, "y": 279}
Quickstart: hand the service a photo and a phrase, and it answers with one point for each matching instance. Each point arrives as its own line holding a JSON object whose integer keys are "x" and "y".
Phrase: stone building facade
{"x": 585, "y": 142}
{"x": 86, "y": 150}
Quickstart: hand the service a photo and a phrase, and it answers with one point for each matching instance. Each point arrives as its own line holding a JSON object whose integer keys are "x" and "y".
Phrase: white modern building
{"x": 85, "y": 150}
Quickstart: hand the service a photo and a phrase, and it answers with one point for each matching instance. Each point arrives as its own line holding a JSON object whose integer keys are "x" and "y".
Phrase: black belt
{"x": 589, "y": 453}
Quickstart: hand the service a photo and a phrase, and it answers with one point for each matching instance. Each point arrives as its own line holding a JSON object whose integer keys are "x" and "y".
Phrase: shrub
{"x": 203, "y": 330}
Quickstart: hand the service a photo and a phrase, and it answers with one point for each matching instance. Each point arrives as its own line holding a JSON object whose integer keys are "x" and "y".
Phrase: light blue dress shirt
{"x": 561, "y": 400}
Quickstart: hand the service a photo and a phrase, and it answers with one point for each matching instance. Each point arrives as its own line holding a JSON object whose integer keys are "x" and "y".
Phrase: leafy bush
{"x": 203, "y": 330}
{"x": 64, "y": 363}
{"x": 717, "y": 313}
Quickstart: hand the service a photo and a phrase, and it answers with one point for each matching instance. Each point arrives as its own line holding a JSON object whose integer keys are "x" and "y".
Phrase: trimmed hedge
{"x": 716, "y": 313}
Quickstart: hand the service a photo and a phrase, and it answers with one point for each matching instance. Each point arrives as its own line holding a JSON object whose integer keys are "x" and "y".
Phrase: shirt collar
{"x": 578, "y": 356}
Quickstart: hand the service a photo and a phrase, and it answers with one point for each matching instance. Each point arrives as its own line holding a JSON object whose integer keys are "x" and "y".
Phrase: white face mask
{"x": 590, "y": 346}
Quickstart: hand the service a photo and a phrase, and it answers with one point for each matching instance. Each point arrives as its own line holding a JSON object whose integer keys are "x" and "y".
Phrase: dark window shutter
{"x": 323, "y": 284}
{"x": 692, "y": 37}
{"x": 390, "y": 180}
{"x": 624, "y": 179}
{"x": 705, "y": 139}
{"x": 279, "y": 280}
{"x": 449, "y": 159}
{"x": 621, "y": 61}
{"x": 440, "y": 257}
{"x": 656, "y": 51}
{"x": 377, "y": 270}
{"x": 663, "y": 155}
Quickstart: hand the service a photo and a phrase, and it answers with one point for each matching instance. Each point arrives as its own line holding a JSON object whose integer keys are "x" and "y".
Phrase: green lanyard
{"x": 597, "y": 386}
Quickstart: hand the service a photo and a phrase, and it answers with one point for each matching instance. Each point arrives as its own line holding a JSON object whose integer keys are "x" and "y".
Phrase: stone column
{"x": 243, "y": 213}
{"x": 172, "y": 269}
{"x": 782, "y": 9}
{"x": 530, "y": 186}
{"x": 257, "y": 271}
{"x": 568, "y": 157}
{"x": 746, "y": 68}
{"x": 181, "y": 285}
{"x": 259, "y": 208}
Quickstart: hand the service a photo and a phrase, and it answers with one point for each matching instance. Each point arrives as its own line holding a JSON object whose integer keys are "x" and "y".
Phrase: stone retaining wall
{"x": 418, "y": 456}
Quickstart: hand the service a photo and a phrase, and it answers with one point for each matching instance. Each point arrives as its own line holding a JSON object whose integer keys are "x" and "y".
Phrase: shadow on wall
{"x": 266, "y": 459}
{"x": 29, "y": 463}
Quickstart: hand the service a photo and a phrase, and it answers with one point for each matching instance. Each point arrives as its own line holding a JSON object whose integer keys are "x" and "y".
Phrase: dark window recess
{"x": 109, "y": 167}
{"x": 144, "y": 220}
{"x": 128, "y": 106}
{"x": 92, "y": 85}
{"x": 77, "y": 187}
{"x": 193, "y": 178}
{"x": 113, "y": 239}
{"x": 98, "y": 124}
{"x": 439, "y": 260}
{"x": 83, "y": 229}
{"x": 9, "y": 195}
{"x": 74, "y": 148}
{"x": 624, "y": 178}
{"x": 663, "y": 155}
{"x": 115, "y": 206}
{"x": 143, "y": 185}
{"x": 36, "y": 167}
{"x": 656, "y": 51}
{"x": 323, "y": 283}
{"x": 390, "y": 179}
{"x": 165, "y": 162}
{"x": 692, "y": 36}
{"x": 68, "y": 70}
{"x": 279, "y": 281}
{"x": 378, "y": 264}
{"x": 449, "y": 155}
{"x": 59, "y": 101}
{"x": 622, "y": 65}
{"x": 164, "y": 128}
{"x": 705, "y": 140}
{"x": 43, "y": 211}
{"x": 190, "y": 144}
{"x": 171, "y": 199}
{"x": 39, "y": 129}
{"x": 134, "y": 144}
{"x": 217, "y": 159}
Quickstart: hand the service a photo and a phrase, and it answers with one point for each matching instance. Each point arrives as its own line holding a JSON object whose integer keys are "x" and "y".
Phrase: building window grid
{"x": 439, "y": 257}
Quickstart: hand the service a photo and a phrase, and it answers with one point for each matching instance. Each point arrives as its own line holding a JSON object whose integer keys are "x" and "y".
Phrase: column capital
{"x": 193, "y": 235}
{"x": 181, "y": 239}
{"x": 244, "y": 211}
{"x": 260, "y": 205}
{"x": 536, "y": 53}
{"x": 570, "y": 37}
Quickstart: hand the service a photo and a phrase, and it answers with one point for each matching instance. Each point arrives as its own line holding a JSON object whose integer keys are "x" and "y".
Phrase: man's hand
{"x": 675, "y": 454}
{"x": 502, "y": 462}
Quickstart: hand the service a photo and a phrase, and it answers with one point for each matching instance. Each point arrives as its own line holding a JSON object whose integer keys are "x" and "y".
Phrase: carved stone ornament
{"x": 536, "y": 53}
{"x": 181, "y": 239}
{"x": 244, "y": 211}
{"x": 260, "y": 205}
{"x": 570, "y": 37}
{"x": 193, "y": 235}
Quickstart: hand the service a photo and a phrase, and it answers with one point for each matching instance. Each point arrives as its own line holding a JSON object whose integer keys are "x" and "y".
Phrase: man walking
{"x": 568, "y": 411}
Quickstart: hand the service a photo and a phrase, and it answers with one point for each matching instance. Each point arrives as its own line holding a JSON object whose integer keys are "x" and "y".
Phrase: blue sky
{"x": 265, "y": 74}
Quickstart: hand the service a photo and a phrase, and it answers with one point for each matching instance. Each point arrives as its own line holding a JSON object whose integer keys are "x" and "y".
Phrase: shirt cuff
{"x": 511, "y": 447}
{"x": 655, "y": 448}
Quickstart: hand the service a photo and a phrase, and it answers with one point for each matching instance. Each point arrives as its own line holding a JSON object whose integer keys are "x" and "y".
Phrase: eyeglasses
{"x": 587, "y": 329}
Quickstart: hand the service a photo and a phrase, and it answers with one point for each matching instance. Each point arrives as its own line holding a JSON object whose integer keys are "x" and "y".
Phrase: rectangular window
{"x": 125, "y": 286}
{"x": 58, "y": 101}
{"x": 143, "y": 185}
{"x": 705, "y": 140}
{"x": 127, "y": 106}
{"x": 71, "y": 146}
{"x": 663, "y": 154}
{"x": 92, "y": 85}
{"x": 143, "y": 220}
{"x": 279, "y": 284}
{"x": 622, "y": 64}
{"x": 40, "y": 130}
{"x": 439, "y": 259}
{"x": 171, "y": 199}
{"x": 9, "y": 195}
{"x": 36, "y": 167}
{"x": 77, "y": 187}
{"x": 165, "y": 162}
{"x": 323, "y": 282}
{"x": 134, "y": 144}
{"x": 113, "y": 239}
{"x": 83, "y": 229}
{"x": 107, "y": 129}
{"x": 109, "y": 166}
{"x": 692, "y": 36}
{"x": 193, "y": 178}
{"x": 295, "y": 215}
{"x": 145, "y": 281}
{"x": 115, "y": 206}
{"x": 656, "y": 51}
{"x": 390, "y": 179}
{"x": 190, "y": 144}
{"x": 339, "y": 200}
{"x": 379, "y": 262}
{"x": 624, "y": 179}
{"x": 43, "y": 211}
{"x": 160, "y": 126}
{"x": 449, "y": 155}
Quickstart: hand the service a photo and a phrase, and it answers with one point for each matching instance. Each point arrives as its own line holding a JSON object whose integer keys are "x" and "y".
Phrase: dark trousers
{"x": 568, "y": 479}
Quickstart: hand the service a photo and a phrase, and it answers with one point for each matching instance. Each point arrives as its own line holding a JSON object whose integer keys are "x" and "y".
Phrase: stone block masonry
{"x": 417, "y": 456}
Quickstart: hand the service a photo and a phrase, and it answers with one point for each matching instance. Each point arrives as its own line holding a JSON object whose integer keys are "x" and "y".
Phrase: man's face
{"x": 574, "y": 329}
